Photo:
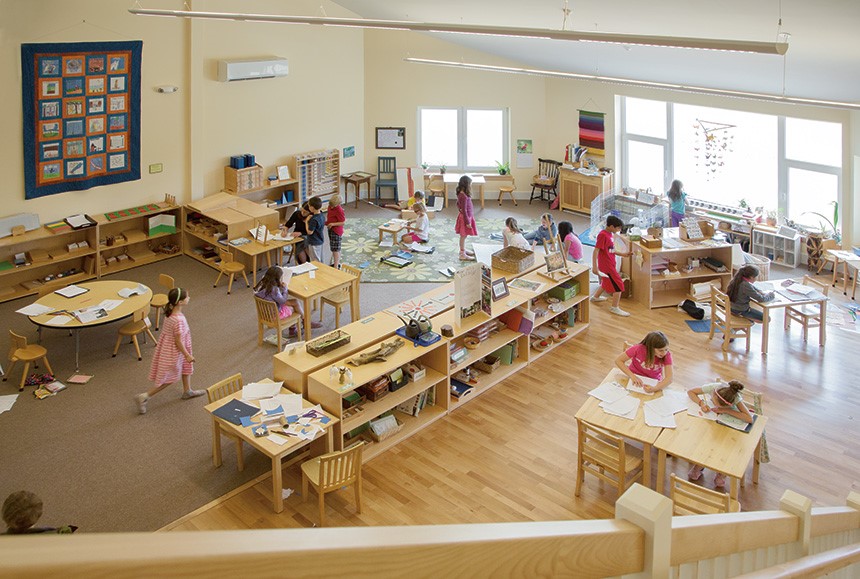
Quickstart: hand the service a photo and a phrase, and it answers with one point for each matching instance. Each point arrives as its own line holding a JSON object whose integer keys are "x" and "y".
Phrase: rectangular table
{"x": 636, "y": 429}
{"x": 255, "y": 248}
{"x": 274, "y": 451}
{"x": 712, "y": 446}
{"x": 780, "y": 301}
{"x": 454, "y": 178}
{"x": 849, "y": 261}
{"x": 325, "y": 279}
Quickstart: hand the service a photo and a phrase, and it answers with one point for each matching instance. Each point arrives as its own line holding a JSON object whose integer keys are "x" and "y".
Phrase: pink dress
{"x": 168, "y": 363}
{"x": 466, "y": 217}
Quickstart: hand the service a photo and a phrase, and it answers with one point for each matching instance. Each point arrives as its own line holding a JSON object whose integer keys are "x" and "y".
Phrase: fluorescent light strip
{"x": 641, "y": 83}
{"x": 509, "y": 31}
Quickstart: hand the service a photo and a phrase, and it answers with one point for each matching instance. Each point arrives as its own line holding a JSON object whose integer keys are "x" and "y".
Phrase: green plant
{"x": 834, "y": 232}
{"x": 442, "y": 168}
{"x": 504, "y": 168}
{"x": 425, "y": 165}
{"x": 743, "y": 204}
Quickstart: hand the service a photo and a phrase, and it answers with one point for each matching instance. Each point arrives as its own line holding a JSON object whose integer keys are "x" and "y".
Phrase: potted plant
{"x": 425, "y": 165}
{"x": 833, "y": 233}
{"x": 771, "y": 218}
{"x": 442, "y": 169}
{"x": 504, "y": 168}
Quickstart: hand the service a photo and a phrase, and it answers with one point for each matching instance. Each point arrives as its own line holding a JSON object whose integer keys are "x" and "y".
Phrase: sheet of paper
{"x": 278, "y": 439}
{"x": 59, "y": 320}
{"x": 291, "y": 403}
{"x": 763, "y": 286}
{"x": 694, "y": 409}
{"x": 801, "y": 289}
{"x": 127, "y": 292}
{"x": 88, "y": 315}
{"x": 609, "y": 392}
{"x": 653, "y": 418}
{"x": 387, "y": 242}
{"x": 303, "y": 268}
{"x": 6, "y": 402}
{"x": 77, "y": 221}
{"x": 34, "y": 310}
{"x": 626, "y": 407}
{"x": 108, "y": 305}
{"x": 676, "y": 399}
{"x": 270, "y": 405}
{"x": 662, "y": 406}
{"x": 71, "y": 291}
{"x": 646, "y": 382}
{"x": 259, "y": 390}
{"x": 419, "y": 248}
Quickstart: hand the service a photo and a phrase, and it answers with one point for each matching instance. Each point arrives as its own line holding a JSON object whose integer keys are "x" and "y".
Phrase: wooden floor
{"x": 510, "y": 454}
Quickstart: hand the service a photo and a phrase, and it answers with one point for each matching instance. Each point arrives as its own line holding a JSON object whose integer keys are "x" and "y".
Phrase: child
{"x": 572, "y": 244}
{"x": 419, "y": 228}
{"x": 603, "y": 261}
{"x": 273, "y": 287}
{"x": 315, "y": 223}
{"x": 465, "y": 225}
{"x": 173, "y": 358}
{"x": 335, "y": 220}
{"x": 650, "y": 358}
{"x": 22, "y": 510}
{"x": 677, "y": 202}
{"x": 417, "y": 197}
{"x": 513, "y": 236}
{"x": 720, "y": 398}
{"x": 297, "y": 222}
{"x": 546, "y": 231}
{"x": 741, "y": 290}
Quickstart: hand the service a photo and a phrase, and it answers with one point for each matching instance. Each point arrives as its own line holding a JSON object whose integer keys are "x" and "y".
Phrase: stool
{"x": 509, "y": 189}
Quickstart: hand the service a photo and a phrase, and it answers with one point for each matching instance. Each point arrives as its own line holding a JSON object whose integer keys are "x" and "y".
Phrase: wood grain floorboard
{"x": 510, "y": 454}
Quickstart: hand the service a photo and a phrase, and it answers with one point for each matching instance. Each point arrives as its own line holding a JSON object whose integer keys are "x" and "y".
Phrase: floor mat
{"x": 699, "y": 326}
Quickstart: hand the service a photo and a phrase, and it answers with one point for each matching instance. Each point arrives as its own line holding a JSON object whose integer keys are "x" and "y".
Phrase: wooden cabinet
{"x": 129, "y": 241}
{"x": 780, "y": 249}
{"x": 655, "y": 290}
{"x": 318, "y": 174}
{"x": 577, "y": 191}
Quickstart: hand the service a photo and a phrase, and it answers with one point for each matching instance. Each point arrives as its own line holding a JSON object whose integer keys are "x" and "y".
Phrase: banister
{"x": 811, "y": 565}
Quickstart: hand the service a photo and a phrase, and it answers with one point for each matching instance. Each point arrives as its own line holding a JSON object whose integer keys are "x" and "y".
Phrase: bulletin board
{"x": 81, "y": 111}
{"x": 390, "y": 137}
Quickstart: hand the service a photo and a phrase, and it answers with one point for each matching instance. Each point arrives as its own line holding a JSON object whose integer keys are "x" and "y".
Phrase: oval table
{"x": 98, "y": 291}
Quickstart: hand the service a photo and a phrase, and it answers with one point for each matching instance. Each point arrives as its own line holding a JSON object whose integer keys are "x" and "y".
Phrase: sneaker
{"x": 720, "y": 480}
{"x": 192, "y": 394}
{"x": 695, "y": 473}
{"x": 600, "y": 299}
{"x": 141, "y": 402}
{"x": 618, "y": 312}
{"x": 470, "y": 252}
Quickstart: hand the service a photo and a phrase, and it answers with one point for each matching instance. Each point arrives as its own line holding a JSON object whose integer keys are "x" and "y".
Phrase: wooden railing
{"x": 644, "y": 540}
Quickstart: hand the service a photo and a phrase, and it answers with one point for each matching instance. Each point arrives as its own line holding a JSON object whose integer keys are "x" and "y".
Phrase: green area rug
{"x": 361, "y": 245}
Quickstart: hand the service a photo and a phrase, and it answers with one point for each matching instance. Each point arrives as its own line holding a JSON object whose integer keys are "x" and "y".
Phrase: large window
{"x": 464, "y": 139}
{"x": 782, "y": 164}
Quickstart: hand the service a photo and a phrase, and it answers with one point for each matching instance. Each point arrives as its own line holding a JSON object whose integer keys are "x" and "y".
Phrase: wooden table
{"x": 256, "y": 248}
{"x": 98, "y": 292}
{"x": 274, "y": 451}
{"x": 355, "y": 179}
{"x": 710, "y": 445}
{"x": 454, "y": 178}
{"x": 780, "y": 301}
{"x": 326, "y": 279}
{"x": 848, "y": 260}
{"x": 636, "y": 429}
{"x": 392, "y": 228}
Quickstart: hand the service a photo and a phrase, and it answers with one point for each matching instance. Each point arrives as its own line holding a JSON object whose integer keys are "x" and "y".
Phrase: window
{"x": 465, "y": 139}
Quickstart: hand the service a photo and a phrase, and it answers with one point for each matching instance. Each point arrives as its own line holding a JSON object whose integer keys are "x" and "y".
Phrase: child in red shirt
{"x": 604, "y": 264}
{"x": 334, "y": 220}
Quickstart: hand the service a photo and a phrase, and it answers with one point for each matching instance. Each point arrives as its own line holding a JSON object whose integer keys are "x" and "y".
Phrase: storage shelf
{"x": 131, "y": 264}
{"x": 411, "y": 425}
{"x": 567, "y": 304}
{"x": 487, "y": 381}
{"x": 20, "y": 291}
{"x": 373, "y": 409}
{"x": 695, "y": 274}
{"x": 488, "y": 346}
{"x": 571, "y": 333}
{"x": 54, "y": 260}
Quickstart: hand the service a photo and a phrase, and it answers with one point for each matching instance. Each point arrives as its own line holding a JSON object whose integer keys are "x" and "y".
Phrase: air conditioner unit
{"x": 230, "y": 70}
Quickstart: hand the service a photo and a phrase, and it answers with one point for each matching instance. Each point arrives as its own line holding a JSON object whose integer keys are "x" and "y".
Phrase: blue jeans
{"x": 749, "y": 314}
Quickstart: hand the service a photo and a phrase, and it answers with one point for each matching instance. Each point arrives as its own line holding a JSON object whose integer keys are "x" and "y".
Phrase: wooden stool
{"x": 230, "y": 268}
{"x": 509, "y": 189}
{"x": 140, "y": 324}
{"x": 21, "y": 351}
{"x": 158, "y": 301}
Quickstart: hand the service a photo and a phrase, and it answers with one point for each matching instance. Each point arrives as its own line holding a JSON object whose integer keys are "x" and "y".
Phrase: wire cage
{"x": 633, "y": 207}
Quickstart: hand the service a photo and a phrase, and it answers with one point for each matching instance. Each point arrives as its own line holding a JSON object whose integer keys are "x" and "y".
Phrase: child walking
{"x": 650, "y": 358}
{"x": 720, "y": 398}
{"x": 572, "y": 244}
{"x": 419, "y": 228}
{"x": 315, "y": 223}
{"x": 465, "y": 225}
{"x": 604, "y": 264}
{"x": 335, "y": 219}
{"x": 741, "y": 290}
{"x": 513, "y": 236}
{"x": 173, "y": 358}
{"x": 677, "y": 202}
{"x": 546, "y": 231}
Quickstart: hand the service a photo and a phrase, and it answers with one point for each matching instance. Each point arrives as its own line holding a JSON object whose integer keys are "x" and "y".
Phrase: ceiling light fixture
{"x": 641, "y": 83}
{"x": 779, "y": 48}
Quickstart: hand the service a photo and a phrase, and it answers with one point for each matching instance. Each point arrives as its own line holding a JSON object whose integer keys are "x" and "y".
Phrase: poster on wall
{"x": 525, "y": 157}
{"x": 81, "y": 111}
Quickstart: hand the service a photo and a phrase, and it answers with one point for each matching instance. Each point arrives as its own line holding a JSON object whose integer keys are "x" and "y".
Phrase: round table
{"x": 98, "y": 291}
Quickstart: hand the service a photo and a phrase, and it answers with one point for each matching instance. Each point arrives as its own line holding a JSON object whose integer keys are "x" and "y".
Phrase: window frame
{"x": 463, "y": 137}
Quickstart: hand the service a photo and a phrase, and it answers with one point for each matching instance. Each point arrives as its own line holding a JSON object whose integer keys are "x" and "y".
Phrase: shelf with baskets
{"x": 358, "y": 402}
{"x": 134, "y": 240}
{"x": 318, "y": 174}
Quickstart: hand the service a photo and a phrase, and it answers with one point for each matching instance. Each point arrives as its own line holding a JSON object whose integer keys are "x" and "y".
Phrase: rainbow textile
{"x": 592, "y": 132}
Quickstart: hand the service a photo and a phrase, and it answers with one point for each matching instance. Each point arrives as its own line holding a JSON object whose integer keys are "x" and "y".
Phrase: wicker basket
{"x": 513, "y": 259}
{"x": 488, "y": 364}
{"x": 761, "y": 262}
{"x": 388, "y": 434}
{"x": 327, "y": 343}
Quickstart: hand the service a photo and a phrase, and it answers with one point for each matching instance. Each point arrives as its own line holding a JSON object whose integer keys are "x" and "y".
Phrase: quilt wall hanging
{"x": 81, "y": 105}
{"x": 592, "y": 132}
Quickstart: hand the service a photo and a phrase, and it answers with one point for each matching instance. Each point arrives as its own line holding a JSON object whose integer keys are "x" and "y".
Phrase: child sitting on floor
{"x": 513, "y": 236}
{"x": 419, "y": 228}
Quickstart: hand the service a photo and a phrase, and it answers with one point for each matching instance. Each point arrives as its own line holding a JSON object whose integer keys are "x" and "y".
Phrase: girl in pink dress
{"x": 466, "y": 218}
{"x": 173, "y": 358}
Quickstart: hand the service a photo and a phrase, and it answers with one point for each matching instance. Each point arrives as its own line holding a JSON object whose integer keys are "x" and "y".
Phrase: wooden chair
{"x": 221, "y": 390}
{"x": 230, "y": 268}
{"x": 436, "y": 188}
{"x": 268, "y": 317}
{"x": 827, "y": 258}
{"x": 753, "y": 400}
{"x": 331, "y": 472}
{"x": 724, "y": 321}
{"x": 605, "y": 456}
{"x": 809, "y": 315}
{"x": 545, "y": 183}
{"x": 338, "y": 298}
{"x": 20, "y": 351}
{"x": 158, "y": 301}
{"x": 139, "y": 324}
{"x": 509, "y": 189}
{"x": 691, "y": 499}
{"x": 386, "y": 175}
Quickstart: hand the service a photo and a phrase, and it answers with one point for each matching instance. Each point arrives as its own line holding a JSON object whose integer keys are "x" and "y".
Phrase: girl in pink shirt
{"x": 650, "y": 358}
{"x": 571, "y": 242}
{"x": 465, "y": 225}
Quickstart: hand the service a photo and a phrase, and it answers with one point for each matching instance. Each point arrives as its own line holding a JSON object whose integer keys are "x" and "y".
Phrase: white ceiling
{"x": 823, "y": 59}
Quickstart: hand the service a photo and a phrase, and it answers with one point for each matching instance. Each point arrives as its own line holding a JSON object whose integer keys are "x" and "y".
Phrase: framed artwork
{"x": 554, "y": 261}
{"x": 283, "y": 172}
{"x": 390, "y": 137}
{"x": 81, "y": 113}
{"x": 500, "y": 289}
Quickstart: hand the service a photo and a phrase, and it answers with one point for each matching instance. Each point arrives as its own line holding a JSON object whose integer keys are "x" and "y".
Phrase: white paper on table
{"x": 652, "y": 418}
{"x": 259, "y": 390}
{"x": 626, "y": 407}
{"x": 267, "y": 405}
{"x": 59, "y": 321}
{"x": 108, "y": 305}
{"x": 278, "y": 439}
{"x": 694, "y": 409}
{"x": 127, "y": 292}
{"x": 609, "y": 392}
{"x": 302, "y": 268}
{"x": 71, "y": 291}
{"x": 662, "y": 406}
{"x": 35, "y": 310}
{"x": 6, "y": 402}
{"x": 291, "y": 403}
{"x": 801, "y": 289}
{"x": 676, "y": 399}
{"x": 763, "y": 286}
{"x": 646, "y": 382}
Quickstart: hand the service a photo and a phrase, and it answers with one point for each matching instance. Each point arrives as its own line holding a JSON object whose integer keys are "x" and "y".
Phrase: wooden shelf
{"x": 131, "y": 264}
{"x": 127, "y": 243}
{"x": 571, "y": 333}
{"x": 371, "y": 410}
{"x": 411, "y": 425}
{"x": 487, "y": 381}
{"x": 695, "y": 274}
{"x": 488, "y": 346}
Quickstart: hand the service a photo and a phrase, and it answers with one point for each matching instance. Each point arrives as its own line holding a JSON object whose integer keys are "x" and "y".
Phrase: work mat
{"x": 699, "y": 326}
